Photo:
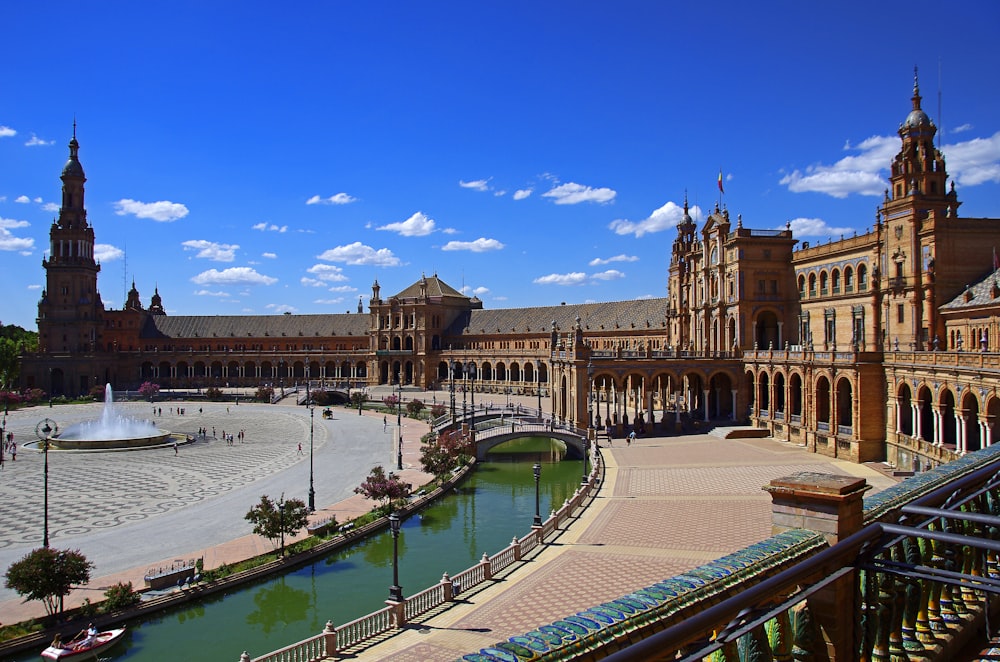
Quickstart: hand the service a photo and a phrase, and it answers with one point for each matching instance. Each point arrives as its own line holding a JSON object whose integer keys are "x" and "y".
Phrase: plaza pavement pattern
{"x": 129, "y": 511}
{"x": 667, "y": 505}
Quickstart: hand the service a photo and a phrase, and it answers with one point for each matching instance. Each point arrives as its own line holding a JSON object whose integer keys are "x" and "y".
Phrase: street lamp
{"x": 395, "y": 591}
{"x": 538, "y": 474}
{"x": 465, "y": 388}
{"x": 451, "y": 387}
{"x": 399, "y": 423}
{"x": 472, "y": 387}
{"x": 45, "y": 429}
{"x": 539, "y": 390}
{"x": 312, "y": 491}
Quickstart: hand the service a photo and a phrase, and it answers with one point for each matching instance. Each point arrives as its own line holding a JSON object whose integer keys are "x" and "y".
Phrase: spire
{"x": 916, "y": 90}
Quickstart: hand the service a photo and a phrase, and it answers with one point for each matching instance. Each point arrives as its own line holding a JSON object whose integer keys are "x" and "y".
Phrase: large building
{"x": 882, "y": 346}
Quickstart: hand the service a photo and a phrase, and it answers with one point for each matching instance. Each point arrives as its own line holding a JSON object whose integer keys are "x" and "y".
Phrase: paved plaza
{"x": 667, "y": 505}
{"x": 132, "y": 510}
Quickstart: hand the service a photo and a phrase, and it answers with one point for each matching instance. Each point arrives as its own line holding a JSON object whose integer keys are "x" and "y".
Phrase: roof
{"x": 984, "y": 293}
{"x": 435, "y": 288}
{"x": 594, "y": 317}
{"x": 256, "y": 326}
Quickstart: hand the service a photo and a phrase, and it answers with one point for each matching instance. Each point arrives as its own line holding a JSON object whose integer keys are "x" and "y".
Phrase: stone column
{"x": 732, "y": 416}
{"x": 833, "y": 506}
{"x": 705, "y": 404}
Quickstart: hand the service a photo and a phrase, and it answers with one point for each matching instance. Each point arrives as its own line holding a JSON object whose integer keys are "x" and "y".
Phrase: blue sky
{"x": 255, "y": 158}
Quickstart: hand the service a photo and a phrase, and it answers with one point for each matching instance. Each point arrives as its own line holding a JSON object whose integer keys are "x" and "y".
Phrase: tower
{"x": 70, "y": 310}
{"x": 916, "y": 210}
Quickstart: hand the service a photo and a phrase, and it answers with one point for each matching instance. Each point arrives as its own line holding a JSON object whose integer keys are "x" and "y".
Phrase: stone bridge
{"x": 575, "y": 440}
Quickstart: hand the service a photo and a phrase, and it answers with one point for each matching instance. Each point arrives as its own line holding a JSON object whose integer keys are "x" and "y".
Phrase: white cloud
{"x": 36, "y": 141}
{"x": 815, "y": 227}
{"x": 477, "y": 185}
{"x": 597, "y": 261}
{"x": 50, "y": 206}
{"x": 22, "y": 199}
{"x": 338, "y": 199}
{"x": 34, "y": 287}
{"x": 233, "y": 276}
{"x": 162, "y": 211}
{"x": 975, "y": 161}
{"x": 209, "y": 293}
{"x": 343, "y": 288}
{"x": 962, "y": 128}
{"x": 7, "y": 132}
{"x": 282, "y": 308}
{"x": 571, "y": 194}
{"x": 270, "y": 256}
{"x": 12, "y": 223}
{"x": 418, "y": 225}
{"x": 477, "y": 291}
{"x": 610, "y": 274}
{"x": 211, "y": 250}
{"x": 522, "y": 193}
{"x": 107, "y": 252}
{"x": 360, "y": 254}
{"x": 264, "y": 227}
{"x": 480, "y": 245}
{"x": 328, "y": 273}
{"x": 664, "y": 218}
{"x": 328, "y": 302}
{"x": 8, "y": 242}
{"x": 860, "y": 173}
{"x": 575, "y": 278}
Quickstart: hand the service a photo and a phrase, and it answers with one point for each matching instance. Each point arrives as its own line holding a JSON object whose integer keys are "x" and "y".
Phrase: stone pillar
{"x": 705, "y": 404}
{"x": 833, "y": 506}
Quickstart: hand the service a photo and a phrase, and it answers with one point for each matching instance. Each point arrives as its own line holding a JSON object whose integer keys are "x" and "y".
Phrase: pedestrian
{"x": 385, "y": 424}
{"x": 300, "y": 448}
{"x": 175, "y": 448}
{"x": 631, "y": 438}
{"x": 13, "y": 452}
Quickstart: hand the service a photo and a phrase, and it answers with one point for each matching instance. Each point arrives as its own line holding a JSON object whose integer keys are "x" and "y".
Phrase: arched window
{"x": 862, "y": 278}
{"x": 812, "y": 285}
{"x": 835, "y": 278}
{"x": 848, "y": 280}
{"x": 823, "y": 284}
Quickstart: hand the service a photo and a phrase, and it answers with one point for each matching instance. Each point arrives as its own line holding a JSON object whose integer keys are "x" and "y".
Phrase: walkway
{"x": 667, "y": 505}
{"x": 128, "y": 511}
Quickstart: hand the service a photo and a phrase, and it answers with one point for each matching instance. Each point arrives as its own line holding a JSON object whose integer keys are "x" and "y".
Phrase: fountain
{"x": 111, "y": 430}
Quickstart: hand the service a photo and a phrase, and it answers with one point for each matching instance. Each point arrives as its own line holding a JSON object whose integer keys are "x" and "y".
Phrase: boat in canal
{"x": 80, "y": 648}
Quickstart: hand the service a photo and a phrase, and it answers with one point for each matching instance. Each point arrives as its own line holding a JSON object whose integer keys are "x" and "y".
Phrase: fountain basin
{"x": 159, "y": 438}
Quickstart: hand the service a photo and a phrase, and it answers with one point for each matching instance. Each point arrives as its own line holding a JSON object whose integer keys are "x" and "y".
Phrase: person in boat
{"x": 90, "y": 635}
{"x": 57, "y": 641}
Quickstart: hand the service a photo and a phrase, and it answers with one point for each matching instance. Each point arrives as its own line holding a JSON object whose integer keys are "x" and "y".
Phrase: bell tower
{"x": 70, "y": 310}
{"x": 916, "y": 209}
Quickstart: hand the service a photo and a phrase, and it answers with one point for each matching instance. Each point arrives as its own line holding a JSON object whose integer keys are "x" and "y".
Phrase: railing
{"x": 917, "y": 574}
{"x": 396, "y": 616}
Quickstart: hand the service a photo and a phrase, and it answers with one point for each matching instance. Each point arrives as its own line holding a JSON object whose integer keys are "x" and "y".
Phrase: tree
{"x": 264, "y": 393}
{"x": 439, "y": 457}
{"x": 381, "y": 487}
{"x": 414, "y": 407}
{"x": 438, "y": 409}
{"x": 14, "y": 341}
{"x": 358, "y": 399}
{"x": 48, "y": 575}
{"x": 391, "y": 401}
{"x": 149, "y": 390}
{"x": 273, "y": 520}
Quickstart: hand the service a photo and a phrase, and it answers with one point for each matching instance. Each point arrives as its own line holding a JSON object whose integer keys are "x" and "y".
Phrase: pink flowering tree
{"x": 382, "y": 487}
{"x": 149, "y": 390}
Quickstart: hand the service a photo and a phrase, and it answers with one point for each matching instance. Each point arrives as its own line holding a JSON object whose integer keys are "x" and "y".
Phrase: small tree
{"x": 438, "y": 409}
{"x": 414, "y": 407}
{"x": 120, "y": 596}
{"x": 264, "y": 393}
{"x": 383, "y": 488}
{"x": 213, "y": 393}
{"x": 391, "y": 401}
{"x": 273, "y": 520}
{"x": 358, "y": 399}
{"x": 436, "y": 460}
{"x": 149, "y": 390}
{"x": 48, "y": 575}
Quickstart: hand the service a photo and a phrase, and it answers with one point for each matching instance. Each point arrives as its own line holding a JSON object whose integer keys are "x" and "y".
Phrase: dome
{"x": 917, "y": 117}
{"x": 73, "y": 167}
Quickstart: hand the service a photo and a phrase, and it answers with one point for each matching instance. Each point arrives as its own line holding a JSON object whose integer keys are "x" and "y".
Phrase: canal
{"x": 493, "y": 506}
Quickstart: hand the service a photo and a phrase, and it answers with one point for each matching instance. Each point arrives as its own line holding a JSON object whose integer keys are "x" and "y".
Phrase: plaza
{"x": 128, "y": 511}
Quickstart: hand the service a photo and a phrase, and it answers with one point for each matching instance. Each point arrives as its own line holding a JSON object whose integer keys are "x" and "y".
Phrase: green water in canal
{"x": 489, "y": 509}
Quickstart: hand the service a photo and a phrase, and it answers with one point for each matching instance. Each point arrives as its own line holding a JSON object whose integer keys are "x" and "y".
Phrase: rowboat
{"x": 80, "y": 649}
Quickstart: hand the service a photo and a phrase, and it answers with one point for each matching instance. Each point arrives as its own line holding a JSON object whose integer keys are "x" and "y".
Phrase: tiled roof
{"x": 435, "y": 288}
{"x": 256, "y": 326}
{"x": 611, "y": 315}
{"x": 984, "y": 293}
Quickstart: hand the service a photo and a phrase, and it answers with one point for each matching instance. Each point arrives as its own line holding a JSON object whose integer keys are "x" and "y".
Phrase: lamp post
{"x": 539, "y": 390}
{"x": 472, "y": 387}
{"x": 451, "y": 387}
{"x": 465, "y": 388}
{"x": 3, "y": 435}
{"x": 395, "y": 591}
{"x": 312, "y": 491}
{"x": 399, "y": 423}
{"x": 46, "y": 428}
{"x": 538, "y": 474}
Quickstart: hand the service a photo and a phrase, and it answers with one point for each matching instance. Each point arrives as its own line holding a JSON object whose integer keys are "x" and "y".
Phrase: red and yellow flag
{"x": 721, "y": 190}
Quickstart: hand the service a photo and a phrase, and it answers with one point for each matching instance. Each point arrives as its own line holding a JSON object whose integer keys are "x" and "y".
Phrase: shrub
{"x": 119, "y": 597}
{"x": 414, "y": 407}
{"x": 213, "y": 393}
